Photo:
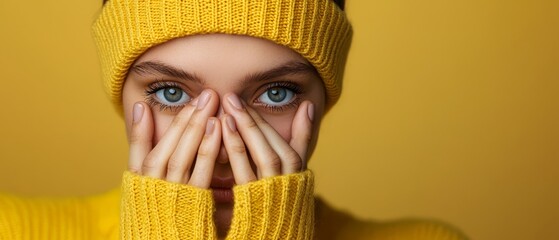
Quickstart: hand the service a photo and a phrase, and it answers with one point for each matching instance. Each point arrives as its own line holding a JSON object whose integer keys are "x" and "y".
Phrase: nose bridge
{"x": 221, "y": 89}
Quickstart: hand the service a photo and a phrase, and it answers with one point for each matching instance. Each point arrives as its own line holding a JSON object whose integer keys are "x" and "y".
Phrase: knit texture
{"x": 316, "y": 29}
{"x": 273, "y": 208}
{"x": 156, "y": 209}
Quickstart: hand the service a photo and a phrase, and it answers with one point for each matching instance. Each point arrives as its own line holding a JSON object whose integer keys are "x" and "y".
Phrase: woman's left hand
{"x": 243, "y": 128}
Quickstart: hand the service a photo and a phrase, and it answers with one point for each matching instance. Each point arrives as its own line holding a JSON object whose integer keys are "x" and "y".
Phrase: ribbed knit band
{"x": 280, "y": 207}
{"x": 152, "y": 208}
{"x": 316, "y": 29}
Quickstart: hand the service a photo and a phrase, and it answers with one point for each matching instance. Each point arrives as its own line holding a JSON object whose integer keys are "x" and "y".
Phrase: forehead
{"x": 221, "y": 56}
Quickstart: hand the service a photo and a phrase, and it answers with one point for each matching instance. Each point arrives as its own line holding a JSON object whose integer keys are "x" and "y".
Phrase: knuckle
{"x": 174, "y": 165}
{"x": 305, "y": 137}
{"x": 204, "y": 153}
{"x": 295, "y": 164}
{"x": 135, "y": 135}
{"x": 149, "y": 163}
{"x": 194, "y": 123}
{"x": 178, "y": 120}
{"x": 293, "y": 156}
{"x": 183, "y": 117}
{"x": 252, "y": 125}
{"x": 263, "y": 124}
{"x": 308, "y": 137}
{"x": 259, "y": 120}
{"x": 238, "y": 148}
{"x": 134, "y": 169}
{"x": 274, "y": 162}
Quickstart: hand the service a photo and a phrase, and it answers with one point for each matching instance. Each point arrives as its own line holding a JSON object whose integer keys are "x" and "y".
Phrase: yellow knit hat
{"x": 316, "y": 29}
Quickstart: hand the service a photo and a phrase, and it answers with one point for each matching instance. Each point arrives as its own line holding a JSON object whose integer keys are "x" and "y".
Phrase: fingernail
{"x": 310, "y": 111}
{"x": 234, "y": 100}
{"x": 231, "y": 123}
{"x": 210, "y": 126}
{"x": 137, "y": 112}
{"x": 203, "y": 100}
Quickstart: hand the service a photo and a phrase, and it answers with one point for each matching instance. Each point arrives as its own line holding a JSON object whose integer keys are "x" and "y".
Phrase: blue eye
{"x": 172, "y": 96}
{"x": 276, "y": 96}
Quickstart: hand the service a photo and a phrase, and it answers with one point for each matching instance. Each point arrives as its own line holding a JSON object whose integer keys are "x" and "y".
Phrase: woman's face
{"x": 271, "y": 79}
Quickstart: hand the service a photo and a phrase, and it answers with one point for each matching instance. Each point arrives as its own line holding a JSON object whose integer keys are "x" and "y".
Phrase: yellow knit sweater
{"x": 145, "y": 208}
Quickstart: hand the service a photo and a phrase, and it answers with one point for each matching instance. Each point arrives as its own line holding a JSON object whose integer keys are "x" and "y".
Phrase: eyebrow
{"x": 293, "y": 67}
{"x": 155, "y": 68}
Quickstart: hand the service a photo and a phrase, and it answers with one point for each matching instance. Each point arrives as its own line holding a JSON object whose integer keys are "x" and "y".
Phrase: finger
{"x": 207, "y": 154}
{"x": 183, "y": 156}
{"x": 236, "y": 151}
{"x": 301, "y": 131}
{"x": 155, "y": 163}
{"x": 291, "y": 162}
{"x": 141, "y": 135}
{"x": 264, "y": 156}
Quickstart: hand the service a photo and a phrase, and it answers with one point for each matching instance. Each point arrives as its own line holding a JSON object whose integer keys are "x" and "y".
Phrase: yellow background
{"x": 450, "y": 110}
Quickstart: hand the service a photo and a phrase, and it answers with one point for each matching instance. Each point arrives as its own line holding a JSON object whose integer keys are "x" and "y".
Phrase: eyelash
{"x": 156, "y": 86}
{"x": 160, "y": 84}
{"x": 295, "y": 88}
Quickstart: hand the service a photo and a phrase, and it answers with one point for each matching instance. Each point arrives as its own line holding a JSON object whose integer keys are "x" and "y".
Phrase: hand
{"x": 272, "y": 155}
{"x": 191, "y": 141}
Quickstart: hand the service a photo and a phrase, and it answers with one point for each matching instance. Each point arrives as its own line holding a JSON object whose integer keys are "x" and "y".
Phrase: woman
{"x": 222, "y": 102}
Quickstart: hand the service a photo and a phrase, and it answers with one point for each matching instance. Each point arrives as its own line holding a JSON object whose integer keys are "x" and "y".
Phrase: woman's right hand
{"x": 192, "y": 140}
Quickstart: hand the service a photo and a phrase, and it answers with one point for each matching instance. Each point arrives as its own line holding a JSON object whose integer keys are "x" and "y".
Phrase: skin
{"x": 226, "y": 128}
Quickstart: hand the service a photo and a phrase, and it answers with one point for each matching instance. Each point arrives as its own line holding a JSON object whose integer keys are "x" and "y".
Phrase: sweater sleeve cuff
{"x": 156, "y": 209}
{"x": 279, "y": 207}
